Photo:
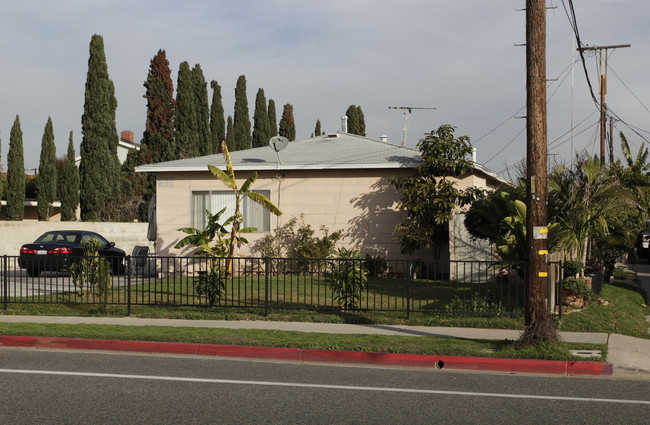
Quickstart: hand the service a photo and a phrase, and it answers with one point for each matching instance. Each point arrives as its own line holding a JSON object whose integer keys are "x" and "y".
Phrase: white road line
{"x": 321, "y": 386}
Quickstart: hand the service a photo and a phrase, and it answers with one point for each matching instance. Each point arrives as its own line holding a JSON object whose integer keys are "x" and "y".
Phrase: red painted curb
{"x": 18, "y": 341}
{"x": 329, "y": 356}
{"x": 116, "y": 345}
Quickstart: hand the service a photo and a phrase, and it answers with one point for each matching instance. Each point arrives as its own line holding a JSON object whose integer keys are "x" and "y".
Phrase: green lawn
{"x": 386, "y": 294}
{"x": 624, "y": 312}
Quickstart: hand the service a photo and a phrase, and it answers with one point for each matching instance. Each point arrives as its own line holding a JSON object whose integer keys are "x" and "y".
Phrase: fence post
{"x": 409, "y": 278}
{"x": 267, "y": 261}
{"x": 5, "y": 281}
{"x": 128, "y": 285}
{"x": 561, "y": 272}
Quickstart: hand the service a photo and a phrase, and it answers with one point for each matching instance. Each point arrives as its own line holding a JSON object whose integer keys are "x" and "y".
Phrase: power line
{"x": 566, "y": 74}
{"x": 576, "y": 134}
{"x": 628, "y": 89}
{"x": 504, "y": 148}
{"x": 550, "y": 83}
{"x": 574, "y": 25}
{"x": 618, "y": 118}
{"x": 552, "y": 144}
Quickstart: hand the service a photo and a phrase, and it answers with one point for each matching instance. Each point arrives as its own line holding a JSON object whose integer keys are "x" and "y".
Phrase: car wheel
{"x": 33, "y": 272}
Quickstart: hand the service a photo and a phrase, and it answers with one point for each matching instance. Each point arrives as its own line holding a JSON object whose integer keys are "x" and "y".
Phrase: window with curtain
{"x": 215, "y": 200}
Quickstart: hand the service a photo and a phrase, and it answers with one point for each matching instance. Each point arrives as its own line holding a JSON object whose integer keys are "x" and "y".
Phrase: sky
{"x": 459, "y": 57}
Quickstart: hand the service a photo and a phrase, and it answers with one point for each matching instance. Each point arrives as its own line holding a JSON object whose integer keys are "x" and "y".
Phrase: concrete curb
{"x": 567, "y": 368}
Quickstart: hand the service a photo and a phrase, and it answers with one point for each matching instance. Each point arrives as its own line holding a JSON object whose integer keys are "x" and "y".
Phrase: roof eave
{"x": 274, "y": 167}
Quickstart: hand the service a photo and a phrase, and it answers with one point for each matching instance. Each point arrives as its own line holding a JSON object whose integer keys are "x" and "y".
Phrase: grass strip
{"x": 308, "y": 340}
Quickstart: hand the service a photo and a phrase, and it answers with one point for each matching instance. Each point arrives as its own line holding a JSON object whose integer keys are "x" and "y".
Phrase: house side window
{"x": 215, "y": 200}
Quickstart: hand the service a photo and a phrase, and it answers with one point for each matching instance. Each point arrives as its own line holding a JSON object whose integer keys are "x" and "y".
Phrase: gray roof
{"x": 335, "y": 151}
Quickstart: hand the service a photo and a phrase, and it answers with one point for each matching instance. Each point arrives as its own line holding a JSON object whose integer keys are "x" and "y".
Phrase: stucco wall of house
{"x": 362, "y": 203}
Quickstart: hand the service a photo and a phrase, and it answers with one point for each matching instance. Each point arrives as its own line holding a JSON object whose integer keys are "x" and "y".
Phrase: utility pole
{"x": 538, "y": 326}
{"x": 611, "y": 140}
{"x": 603, "y": 90}
{"x": 405, "y": 109}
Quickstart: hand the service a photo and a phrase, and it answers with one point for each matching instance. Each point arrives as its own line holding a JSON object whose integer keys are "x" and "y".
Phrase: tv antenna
{"x": 406, "y": 109}
{"x": 277, "y": 143}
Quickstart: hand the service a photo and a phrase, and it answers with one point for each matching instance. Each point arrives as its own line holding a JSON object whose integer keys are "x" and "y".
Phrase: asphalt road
{"x": 82, "y": 387}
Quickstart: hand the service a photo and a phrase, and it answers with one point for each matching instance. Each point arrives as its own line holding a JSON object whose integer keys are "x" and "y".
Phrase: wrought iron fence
{"x": 403, "y": 286}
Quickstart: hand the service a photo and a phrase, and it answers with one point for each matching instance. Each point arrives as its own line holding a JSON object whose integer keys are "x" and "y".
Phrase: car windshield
{"x": 57, "y": 237}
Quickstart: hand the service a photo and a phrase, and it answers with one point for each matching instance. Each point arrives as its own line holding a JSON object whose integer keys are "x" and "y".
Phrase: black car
{"x": 57, "y": 250}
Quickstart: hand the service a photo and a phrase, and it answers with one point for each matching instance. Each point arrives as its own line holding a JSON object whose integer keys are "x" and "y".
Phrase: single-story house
{"x": 124, "y": 145}
{"x": 338, "y": 180}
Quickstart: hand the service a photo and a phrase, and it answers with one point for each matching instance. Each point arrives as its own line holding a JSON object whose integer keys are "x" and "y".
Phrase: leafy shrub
{"x": 299, "y": 241}
{"x": 212, "y": 282}
{"x": 475, "y": 304}
{"x": 376, "y": 266}
{"x": 347, "y": 277}
{"x": 572, "y": 268}
{"x": 92, "y": 272}
{"x": 594, "y": 267}
{"x": 579, "y": 289}
{"x": 621, "y": 274}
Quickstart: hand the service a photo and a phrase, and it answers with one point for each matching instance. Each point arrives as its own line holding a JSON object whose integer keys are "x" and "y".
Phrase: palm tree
{"x": 639, "y": 165}
{"x": 591, "y": 196}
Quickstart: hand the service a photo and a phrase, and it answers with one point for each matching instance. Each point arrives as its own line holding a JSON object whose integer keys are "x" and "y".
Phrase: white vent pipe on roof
{"x": 383, "y": 138}
{"x": 473, "y": 154}
{"x": 344, "y": 123}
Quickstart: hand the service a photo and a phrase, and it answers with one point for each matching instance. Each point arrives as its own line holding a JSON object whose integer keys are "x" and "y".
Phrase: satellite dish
{"x": 278, "y": 143}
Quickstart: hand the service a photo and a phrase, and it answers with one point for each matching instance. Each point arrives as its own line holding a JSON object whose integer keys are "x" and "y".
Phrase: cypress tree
{"x": 356, "y": 120}
{"x": 158, "y": 139}
{"x": 317, "y": 130}
{"x": 46, "y": 182}
{"x": 15, "y": 174}
{"x": 137, "y": 188}
{"x": 273, "y": 119}
{"x": 69, "y": 190}
{"x": 241, "y": 137}
{"x": 158, "y": 135}
{"x": 217, "y": 123}
{"x": 99, "y": 169}
{"x": 187, "y": 143}
{"x": 362, "y": 122}
{"x": 287, "y": 124}
{"x": 351, "y": 113}
{"x": 261, "y": 127}
{"x": 202, "y": 111}
{"x": 229, "y": 131}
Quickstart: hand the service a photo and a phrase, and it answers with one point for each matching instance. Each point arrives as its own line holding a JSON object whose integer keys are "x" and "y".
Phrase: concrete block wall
{"x": 13, "y": 234}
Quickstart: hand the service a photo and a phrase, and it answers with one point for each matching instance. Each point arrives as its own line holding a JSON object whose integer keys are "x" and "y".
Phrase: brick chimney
{"x": 127, "y": 135}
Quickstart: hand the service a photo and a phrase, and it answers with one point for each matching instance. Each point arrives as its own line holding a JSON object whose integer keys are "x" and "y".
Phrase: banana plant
{"x": 237, "y": 219}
